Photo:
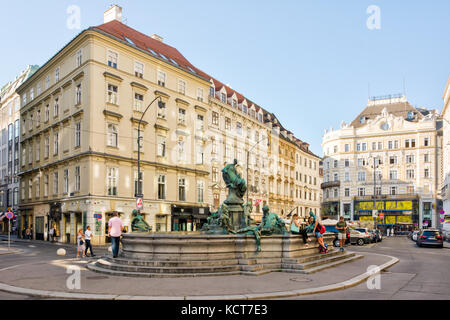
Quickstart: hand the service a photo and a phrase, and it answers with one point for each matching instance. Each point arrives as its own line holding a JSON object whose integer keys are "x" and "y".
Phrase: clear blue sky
{"x": 309, "y": 62}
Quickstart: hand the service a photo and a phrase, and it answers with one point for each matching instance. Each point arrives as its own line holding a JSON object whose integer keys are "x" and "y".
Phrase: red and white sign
{"x": 139, "y": 204}
{"x": 257, "y": 202}
{"x": 381, "y": 216}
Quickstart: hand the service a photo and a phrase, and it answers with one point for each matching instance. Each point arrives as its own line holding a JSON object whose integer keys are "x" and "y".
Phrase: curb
{"x": 257, "y": 296}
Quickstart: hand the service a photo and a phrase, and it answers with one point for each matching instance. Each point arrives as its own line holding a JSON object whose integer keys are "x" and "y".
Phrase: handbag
{"x": 294, "y": 227}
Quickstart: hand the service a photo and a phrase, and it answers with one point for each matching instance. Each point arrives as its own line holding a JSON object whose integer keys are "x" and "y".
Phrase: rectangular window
{"x": 393, "y": 160}
{"x": 410, "y": 158}
{"x": 410, "y": 174}
{"x": 46, "y": 147}
{"x": 77, "y": 134}
{"x": 426, "y": 142}
{"x": 162, "y": 187}
{"x": 161, "y": 146}
{"x": 138, "y": 102}
{"x": 135, "y": 140}
{"x": 361, "y": 176}
{"x": 79, "y": 58}
{"x": 182, "y": 87}
{"x": 38, "y": 187}
{"x": 393, "y": 175}
{"x": 200, "y": 94}
{"x": 46, "y": 185}
{"x": 66, "y": 181}
{"x": 78, "y": 94}
{"x": 199, "y": 154}
{"x": 181, "y": 116}
{"x": 38, "y": 150}
{"x": 31, "y": 94}
{"x": 227, "y": 123}
{"x": 182, "y": 189}
{"x": 112, "y": 94}
{"x": 358, "y": 147}
{"x": 347, "y": 176}
{"x": 347, "y": 192}
{"x": 57, "y": 75}
{"x": 161, "y": 78}
{"x": 55, "y": 183}
{"x": 393, "y": 191}
{"x": 30, "y": 188}
{"x": 139, "y": 69}
{"x": 215, "y": 118}
{"x": 162, "y": 110}
{"x": 138, "y": 186}
{"x": 200, "y": 123}
{"x": 426, "y": 173}
{"x": 223, "y": 97}
{"x": 361, "y": 192}
{"x": 181, "y": 151}
{"x": 410, "y": 189}
{"x": 239, "y": 128}
{"x": 390, "y": 145}
{"x": 112, "y": 59}
{"x": 77, "y": 179}
{"x": 378, "y": 191}
{"x": 56, "y": 108}
{"x": 47, "y": 113}
{"x": 211, "y": 91}
{"x": 111, "y": 183}
{"x": 426, "y": 157}
{"x": 112, "y": 135}
{"x": 55, "y": 143}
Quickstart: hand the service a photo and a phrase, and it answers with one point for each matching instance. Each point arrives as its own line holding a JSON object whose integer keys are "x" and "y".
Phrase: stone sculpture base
{"x": 195, "y": 254}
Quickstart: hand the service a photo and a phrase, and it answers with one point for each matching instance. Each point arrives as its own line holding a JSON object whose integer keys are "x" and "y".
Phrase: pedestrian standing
{"x": 28, "y": 233}
{"x": 115, "y": 228}
{"x": 297, "y": 228}
{"x": 87, "y": 238}
{"x": 80, "y": 243}
{"x": 52, "y": 234}
{"x": 387, "y": 231}
{"x": 342, "y": 227}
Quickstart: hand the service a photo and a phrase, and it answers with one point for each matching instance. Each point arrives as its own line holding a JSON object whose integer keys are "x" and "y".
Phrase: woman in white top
{"x": 80, "y": 243}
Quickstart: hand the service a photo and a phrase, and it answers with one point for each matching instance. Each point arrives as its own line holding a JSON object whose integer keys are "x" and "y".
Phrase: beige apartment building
{"x": 79, "y": 136}
{"x": 391, "y": 151}
{"x": 445, "y": 115}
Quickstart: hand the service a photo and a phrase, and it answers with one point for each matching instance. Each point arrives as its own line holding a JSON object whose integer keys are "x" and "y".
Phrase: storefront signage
{"x": 390, "y": 220}
{"x": 390, "y": 205}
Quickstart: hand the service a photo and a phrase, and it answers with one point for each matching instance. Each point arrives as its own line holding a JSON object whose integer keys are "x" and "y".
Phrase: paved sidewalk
{"x": 51, "y": 279}
{"x": 4, "y": 239}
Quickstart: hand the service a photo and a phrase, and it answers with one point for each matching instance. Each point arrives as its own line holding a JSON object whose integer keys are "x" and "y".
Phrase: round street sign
{"x": 442, "y": 220}
{"x": 442, "y": 212}
{"x": 99, "y": 216}
{"x": 9, "y": 215}
{"x": 139, "y": 204}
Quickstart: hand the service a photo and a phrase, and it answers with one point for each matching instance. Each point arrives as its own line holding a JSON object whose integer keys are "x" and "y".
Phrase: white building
{"x": 403, "y": 144}
{"x": 446, "y": 148}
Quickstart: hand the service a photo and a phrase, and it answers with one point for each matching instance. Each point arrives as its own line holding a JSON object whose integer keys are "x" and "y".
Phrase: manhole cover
{"x": 97, "y": 278}
{"x": 300, "y": 279}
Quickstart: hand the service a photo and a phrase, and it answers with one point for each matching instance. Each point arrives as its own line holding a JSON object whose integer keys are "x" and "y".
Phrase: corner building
{"x": 387, "y": 159}
{"x": 79, "y": 135}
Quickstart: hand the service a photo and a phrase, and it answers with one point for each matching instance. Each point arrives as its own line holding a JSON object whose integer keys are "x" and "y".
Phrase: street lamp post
{"x": 248, "y": 156}
{"x": 138, "y": 190}
{"x": 375, "y": 166}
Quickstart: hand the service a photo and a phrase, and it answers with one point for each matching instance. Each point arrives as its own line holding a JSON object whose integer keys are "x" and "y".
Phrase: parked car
{"x": 336, "y": 241}
{"x": 414, "y": 235}
{"x": 359, "y": 238}
{"x": 368, "y": 232}
{"x": 430, "y": 237}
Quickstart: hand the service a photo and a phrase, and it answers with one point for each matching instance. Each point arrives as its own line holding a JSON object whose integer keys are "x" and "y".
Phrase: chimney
{"x": 156, "y": 37}
{"x": 113, "y": 13}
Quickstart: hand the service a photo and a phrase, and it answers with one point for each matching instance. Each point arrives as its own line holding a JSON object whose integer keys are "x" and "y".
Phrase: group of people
{"x": 84, "y": 242}
{"x": 314, "y": 226}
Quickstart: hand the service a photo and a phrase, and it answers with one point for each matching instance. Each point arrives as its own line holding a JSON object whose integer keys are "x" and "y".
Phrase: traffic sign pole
{"x": 9, "y": 234}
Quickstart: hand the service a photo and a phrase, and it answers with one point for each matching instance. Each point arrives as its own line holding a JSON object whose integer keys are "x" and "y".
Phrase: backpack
{"x": 322, "y": 229}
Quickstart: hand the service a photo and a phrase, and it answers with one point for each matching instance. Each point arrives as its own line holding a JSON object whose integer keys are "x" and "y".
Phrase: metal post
{"x": 9, "y": 234}
{"x": 248, "y": 156}
{"x": 374, "y": 195}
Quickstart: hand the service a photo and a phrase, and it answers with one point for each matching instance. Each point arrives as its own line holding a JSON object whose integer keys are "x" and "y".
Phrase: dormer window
{"x": 211, "y": 91}
{"x": 223, "y": 97}
{"x": 362, "y": 120}
{"x": 410, "y": 115}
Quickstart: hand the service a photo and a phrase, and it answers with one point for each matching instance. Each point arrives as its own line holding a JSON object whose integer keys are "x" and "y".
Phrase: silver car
{"x": 359, "y": 238}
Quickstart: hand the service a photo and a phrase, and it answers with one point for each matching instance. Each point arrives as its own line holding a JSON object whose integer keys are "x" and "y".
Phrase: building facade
{"x": 387, "y": 159}
{"x": 9, "y": 144}
{"x": 79, "y": 136}
{"x": 446, "y": 149}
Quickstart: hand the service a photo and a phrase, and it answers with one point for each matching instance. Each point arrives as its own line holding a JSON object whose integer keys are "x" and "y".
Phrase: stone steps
{"x": 318, "y": 262}
{"x": 313, "y": 257}
{"x": 147, "y": 263}
{"x": 326, "y": 265}
{"x": 112, "y": 265}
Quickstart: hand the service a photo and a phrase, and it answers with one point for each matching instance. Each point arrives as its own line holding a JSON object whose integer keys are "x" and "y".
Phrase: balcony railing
{"x": 330, "y": 184}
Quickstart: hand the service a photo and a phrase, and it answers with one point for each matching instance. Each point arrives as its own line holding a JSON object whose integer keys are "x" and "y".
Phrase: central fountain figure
{"x": 235, "y": 184}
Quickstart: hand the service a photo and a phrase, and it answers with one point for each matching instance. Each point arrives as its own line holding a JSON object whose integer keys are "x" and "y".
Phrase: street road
{"x": 422, "y": 273}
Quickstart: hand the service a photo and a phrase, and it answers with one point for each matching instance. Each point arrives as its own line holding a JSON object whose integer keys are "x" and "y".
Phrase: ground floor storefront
{"x": 67, "y": 217}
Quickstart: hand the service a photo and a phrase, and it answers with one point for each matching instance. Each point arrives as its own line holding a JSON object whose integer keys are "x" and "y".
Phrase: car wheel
{"x": 336, "y": 243}
{"x": 360, "y": 242}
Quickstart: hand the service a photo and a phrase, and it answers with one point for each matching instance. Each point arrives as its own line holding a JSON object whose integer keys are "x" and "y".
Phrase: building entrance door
{"x": 39, "y": 228}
